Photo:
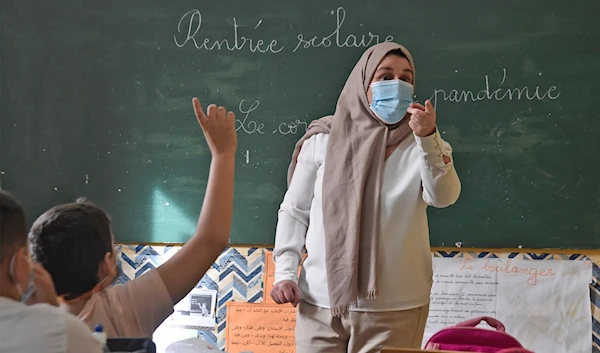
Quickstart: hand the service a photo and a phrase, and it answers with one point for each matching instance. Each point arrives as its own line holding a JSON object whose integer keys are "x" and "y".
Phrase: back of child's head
{"x": 13, "y": 226}
{"x": 70, "y": 241}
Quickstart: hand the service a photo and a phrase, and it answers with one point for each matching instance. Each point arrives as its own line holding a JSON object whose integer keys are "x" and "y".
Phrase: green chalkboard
{"x": 95, "y": 101}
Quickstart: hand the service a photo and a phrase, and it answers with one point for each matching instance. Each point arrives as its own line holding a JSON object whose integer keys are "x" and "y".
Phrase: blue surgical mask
{"x": 391, "y": 99}
{"x": 24, "y": 295}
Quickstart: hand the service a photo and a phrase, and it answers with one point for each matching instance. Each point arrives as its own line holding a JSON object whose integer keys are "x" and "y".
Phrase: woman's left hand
{"x": 422, "y": 119}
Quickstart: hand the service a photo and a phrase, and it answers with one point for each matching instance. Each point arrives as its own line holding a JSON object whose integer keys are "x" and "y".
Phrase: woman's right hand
{"x": 286, "y": 292}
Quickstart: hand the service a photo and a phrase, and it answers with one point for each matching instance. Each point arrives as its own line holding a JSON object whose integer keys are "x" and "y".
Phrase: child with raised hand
{"x": 74, "y": 242}
{"x": 30, "y": 320}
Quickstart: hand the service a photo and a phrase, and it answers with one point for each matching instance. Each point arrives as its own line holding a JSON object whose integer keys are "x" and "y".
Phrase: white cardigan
{"x": 414, "y": 177}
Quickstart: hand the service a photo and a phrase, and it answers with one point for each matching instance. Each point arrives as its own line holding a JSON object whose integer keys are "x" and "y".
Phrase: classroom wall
{"x": 238, "y": 276}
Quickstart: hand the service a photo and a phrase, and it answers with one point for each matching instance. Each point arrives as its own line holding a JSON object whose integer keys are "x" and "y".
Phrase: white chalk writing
{"x": 193, "y": 19}
{"x": 247, "y": 125}
{"x": 499, "y": 94}
{"x": 351, "y": 40}
{"x": 190, "y": 25}
{"x": 527, "y": 93}
{"x": 292, "y": 127}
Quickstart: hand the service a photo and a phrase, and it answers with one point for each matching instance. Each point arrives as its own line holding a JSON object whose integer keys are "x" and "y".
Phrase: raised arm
{"x": 184, "y": 270}
{"x": 441, "y": 186}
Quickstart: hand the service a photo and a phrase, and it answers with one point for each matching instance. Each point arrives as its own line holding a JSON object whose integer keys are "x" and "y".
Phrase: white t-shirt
{"x": 42, "y": 328}
{"x": 414, "y": 177}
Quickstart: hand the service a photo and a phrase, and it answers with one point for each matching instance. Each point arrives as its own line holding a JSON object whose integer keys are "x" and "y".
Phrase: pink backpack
{"x": 465, "y": 337}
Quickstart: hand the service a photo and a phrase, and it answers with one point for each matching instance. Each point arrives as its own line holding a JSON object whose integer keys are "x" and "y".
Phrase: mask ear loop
{"x": 13, "y": 276}
{"x": 85, "y": 296}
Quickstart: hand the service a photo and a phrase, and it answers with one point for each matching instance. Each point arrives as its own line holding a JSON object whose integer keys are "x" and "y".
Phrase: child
{"x": 30, "y": 320}
{"x": 74, "y": 243}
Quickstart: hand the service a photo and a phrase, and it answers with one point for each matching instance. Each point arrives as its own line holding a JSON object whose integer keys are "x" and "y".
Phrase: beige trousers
{"x": 317, "y": 331}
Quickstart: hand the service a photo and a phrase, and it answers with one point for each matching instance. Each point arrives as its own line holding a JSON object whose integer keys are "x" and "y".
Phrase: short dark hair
{"x": 70, "y": 241}
{"x": 13, "y": 225}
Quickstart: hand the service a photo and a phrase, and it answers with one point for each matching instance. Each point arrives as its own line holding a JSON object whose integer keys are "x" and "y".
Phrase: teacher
{"x": 360, "y": 182}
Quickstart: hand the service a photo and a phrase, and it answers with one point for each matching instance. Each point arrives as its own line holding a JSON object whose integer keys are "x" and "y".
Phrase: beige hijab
{"x": 352, "y": 183}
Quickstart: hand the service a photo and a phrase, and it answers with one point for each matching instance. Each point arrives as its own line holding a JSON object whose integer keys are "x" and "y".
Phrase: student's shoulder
{"x": 46, "y": 310}
{"x": 74, "y": 333}
{"x": 32, "y": 328}
{"x": 59, "y": 316}
{"x": 149, "y": 282}
{"x": 76, "y": 327}
{"x": 79, "y": 336}
{"x": 46, "y": 320}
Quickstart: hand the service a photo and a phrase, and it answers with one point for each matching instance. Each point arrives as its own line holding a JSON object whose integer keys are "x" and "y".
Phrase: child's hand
{"x": 218, "y": 128}
{"x": 44, "y": 287}
{"x": 182, "y": 272}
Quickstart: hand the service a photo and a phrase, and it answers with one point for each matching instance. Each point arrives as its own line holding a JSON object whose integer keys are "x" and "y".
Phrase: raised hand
{"x": 218, "y": 127}
{"x": 422, "y": 119}
{"x": 182, "y": 272}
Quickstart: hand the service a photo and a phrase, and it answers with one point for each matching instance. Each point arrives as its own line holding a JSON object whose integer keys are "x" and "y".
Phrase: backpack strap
{"x": 489, "y": 320}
